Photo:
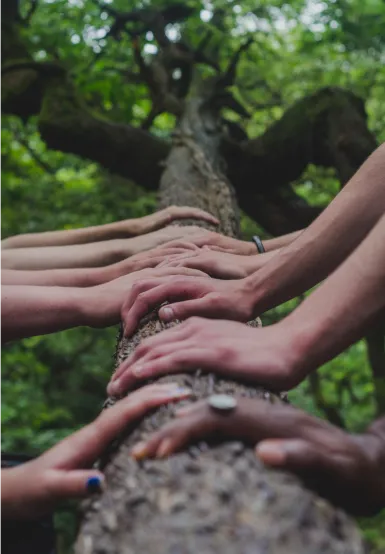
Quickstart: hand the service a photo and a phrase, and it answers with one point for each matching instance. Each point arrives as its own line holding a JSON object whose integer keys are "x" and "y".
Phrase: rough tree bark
{"x": 217, "y": 499}
{"x": 209, "y": 499}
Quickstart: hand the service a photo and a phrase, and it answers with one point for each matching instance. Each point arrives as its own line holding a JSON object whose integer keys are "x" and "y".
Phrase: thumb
{"x": 74, "y": 484}
{"x": 184, "y": 310}
{"x": 296, "y": 455}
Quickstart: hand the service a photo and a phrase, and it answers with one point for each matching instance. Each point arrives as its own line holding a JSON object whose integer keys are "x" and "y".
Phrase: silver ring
{"x": 222, "y": 402}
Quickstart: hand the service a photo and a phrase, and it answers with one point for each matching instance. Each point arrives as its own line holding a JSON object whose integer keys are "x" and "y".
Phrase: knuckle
{"x": 216, "y": 299}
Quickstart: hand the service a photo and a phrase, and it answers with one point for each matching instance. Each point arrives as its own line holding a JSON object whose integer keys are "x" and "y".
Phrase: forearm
{"x": 252, "y": 264}
{"x": 33, "y": 310}
{"x": 61, "y": 257}
{"x": 96, "y": 254}
{"x": 84, "y": 277}
{"x": 327, "y": 241}
{"x": 118, "y": 229}
{"x": 280, "y": 242}
{"x": 343, "y": 308}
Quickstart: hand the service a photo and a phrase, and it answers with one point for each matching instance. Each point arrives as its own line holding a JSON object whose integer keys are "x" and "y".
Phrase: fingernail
{"x": 167, "y": 314}
{"x": 271, "y": 453}
{"x": 139, "y": 451}
{"x": 137, "y": 370}
{"x": 163, "y": 449}
{"x": 181, "y": 391}
{"x": 113, "y": 388}
{"x": 95, "y": 484}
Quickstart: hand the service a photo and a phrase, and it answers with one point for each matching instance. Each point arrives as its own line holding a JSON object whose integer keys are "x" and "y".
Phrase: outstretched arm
{"x": 328, "y": 240}
{"x": 92, "y": 276}
{"x": 308, "y": 260}
{"x": 35, "y": 310}
{"x": 95, "y": 254}
{"x": 333, "y": 317}
{"x": 119, "y": 229}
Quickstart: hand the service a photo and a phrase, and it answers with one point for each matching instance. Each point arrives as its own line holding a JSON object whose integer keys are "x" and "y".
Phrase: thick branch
{"x": 327, "y": 128}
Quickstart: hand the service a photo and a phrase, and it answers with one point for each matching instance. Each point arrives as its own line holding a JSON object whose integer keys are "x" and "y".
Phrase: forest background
{"x": 52, "y": 385}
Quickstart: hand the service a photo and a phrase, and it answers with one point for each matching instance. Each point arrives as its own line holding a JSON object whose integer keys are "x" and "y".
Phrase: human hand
{"x": 149, "y": 258}
{"x": 347, "y": 469}
{"x": 201, "y": 296}
{"x": 35, "y": 487}
{"x": 164, "y": 217}
{"x": 221, "y": 265}
{"x": 199, "y": 237}
{"x": 263, "y": 356}
{"x": 102, "y": 304}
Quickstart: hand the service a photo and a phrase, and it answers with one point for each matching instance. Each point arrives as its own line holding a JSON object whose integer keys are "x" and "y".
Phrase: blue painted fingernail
{"x": 94, "y": 485}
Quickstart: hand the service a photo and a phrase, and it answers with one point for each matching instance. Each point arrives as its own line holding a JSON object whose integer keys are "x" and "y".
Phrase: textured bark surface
{"x": 210, "y": 499}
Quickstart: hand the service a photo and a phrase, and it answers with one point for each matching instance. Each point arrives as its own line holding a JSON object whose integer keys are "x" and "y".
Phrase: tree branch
{"x": 327, "y": 128}
{"x": 32, "y": 8}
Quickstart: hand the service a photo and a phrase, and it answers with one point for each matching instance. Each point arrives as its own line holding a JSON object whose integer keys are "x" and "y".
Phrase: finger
{"x": 195, "y": 213}
{"x": 334, "y": 476}
{"x": 183, "y": 360}
{"x": 179, "y": 257}
{"x": 82, "y": 448}
{"x": 188, "y": 271}
{"x": 174, "y": 436}
{"x": 203, "y": 307}
{"x": 61, "y": 484}
{"x": 148, "y": 300}
{"x": 137, "y": 288}
{"x": 133, "y": 367}
{"x": 303, "y": 457}
{"x": 182, "y": 244}
{"x": 170, "y": 335}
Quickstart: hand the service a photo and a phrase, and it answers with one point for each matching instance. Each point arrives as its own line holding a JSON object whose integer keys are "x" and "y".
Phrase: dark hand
{"x": 347, "y": 469}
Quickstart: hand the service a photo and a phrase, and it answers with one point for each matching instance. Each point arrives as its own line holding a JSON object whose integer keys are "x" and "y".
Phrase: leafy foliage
{"x": 54, "y": 384}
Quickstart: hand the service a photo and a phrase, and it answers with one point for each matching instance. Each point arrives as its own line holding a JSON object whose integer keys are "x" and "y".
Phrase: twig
{"x": 31, "y": 11}
{"x": 229, "y": 77}
{"x": 46, "y": 167}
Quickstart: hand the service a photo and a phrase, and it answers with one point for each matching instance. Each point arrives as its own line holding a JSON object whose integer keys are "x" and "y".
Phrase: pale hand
{"x": 189, "y": 296}
{"x": 221, "y": 265}
{"x": 102, "y": 304}
{"x": 260, "y": 356}
{"x": 166, "y": 216}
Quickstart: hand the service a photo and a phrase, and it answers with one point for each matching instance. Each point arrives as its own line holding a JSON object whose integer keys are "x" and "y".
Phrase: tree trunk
{"x": 208, "y": 499}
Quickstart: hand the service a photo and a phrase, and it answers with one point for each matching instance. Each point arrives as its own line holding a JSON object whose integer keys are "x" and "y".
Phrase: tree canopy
{"x": 83, "y": 142}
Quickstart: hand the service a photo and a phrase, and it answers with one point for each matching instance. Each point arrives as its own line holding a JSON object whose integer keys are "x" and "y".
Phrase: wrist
{"x": 304, "y": 342}
{"x": 99, "y": 306}
{"x": 13, "y": 493}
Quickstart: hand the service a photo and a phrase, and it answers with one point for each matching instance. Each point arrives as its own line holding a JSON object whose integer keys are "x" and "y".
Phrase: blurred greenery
{"x": 52, "y": 385}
